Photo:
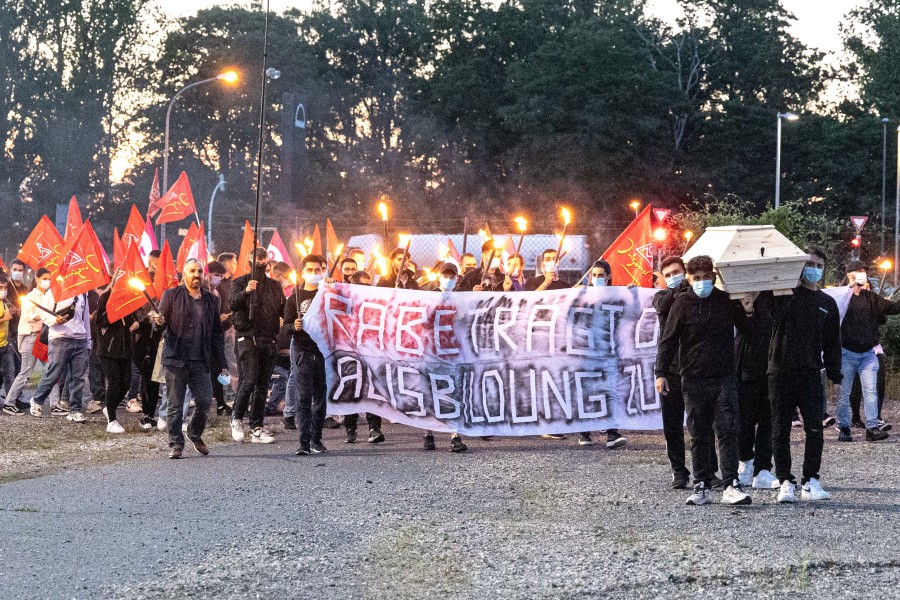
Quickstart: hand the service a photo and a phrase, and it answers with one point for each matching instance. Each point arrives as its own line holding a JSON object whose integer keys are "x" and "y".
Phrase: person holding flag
{"x": 29, "y": 328}
{"x": 114, "y": 351}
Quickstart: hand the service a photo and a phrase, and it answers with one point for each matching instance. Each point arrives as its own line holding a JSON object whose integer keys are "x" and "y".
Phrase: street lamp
{"x": 897, "y": 218}
{"x": 209, "y": 222}
{"x": 230, "y": 77}
{"x": 790, "y": 117}
{"x": 635, "y": 205}
{"x": 884, "y": 123}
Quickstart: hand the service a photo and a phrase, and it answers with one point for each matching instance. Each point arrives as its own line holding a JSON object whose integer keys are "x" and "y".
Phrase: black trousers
{"x": 856, "y": 391}
{"x": 256, "y": 358}
{"x": 712, "y": 413}
{"x": 673, "y": 427}
{"x": 350, "y": 421}
{"x": 96, "y": 375}
{"x": 755, "y": 432}
{"x": 309, "y": 379}
{"x": 118, "y": 376}
{"x": 145, "y": 359}
{"x": 803, "y": 391}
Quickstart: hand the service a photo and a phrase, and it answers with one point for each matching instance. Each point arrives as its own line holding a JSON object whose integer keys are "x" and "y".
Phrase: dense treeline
{"x": 450, "y": 107}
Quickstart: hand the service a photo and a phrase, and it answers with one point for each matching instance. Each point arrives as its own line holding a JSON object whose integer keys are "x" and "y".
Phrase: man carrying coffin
{"x": 700, "y": 329}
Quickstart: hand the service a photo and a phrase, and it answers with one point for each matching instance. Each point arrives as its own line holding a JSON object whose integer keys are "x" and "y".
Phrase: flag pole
{"x": 259, "y": 156}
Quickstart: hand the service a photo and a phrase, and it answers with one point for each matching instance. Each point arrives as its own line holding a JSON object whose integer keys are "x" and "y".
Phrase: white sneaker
{"x": 745, "y": 472}
{"x": 35, "y": 410}
{"x": 735, "y": 494}
{"x": 105, "y": 414}
{"x": 237, "y": 431}
{"x": 114, "y": 427}
{"x": 76, "y": 417}
{"x": 787, "y": 493}
{"x": 260, "y": 436}
{"x": 813, "y": 491}
{"x": 700, "y": 496}
{"x": 134, "y": 406}
{"x": 161, "y": 424}
{"x": 765, "y": 481}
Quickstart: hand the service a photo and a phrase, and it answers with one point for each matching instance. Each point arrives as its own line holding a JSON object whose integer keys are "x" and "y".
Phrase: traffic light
{"x": 856, "y": 242}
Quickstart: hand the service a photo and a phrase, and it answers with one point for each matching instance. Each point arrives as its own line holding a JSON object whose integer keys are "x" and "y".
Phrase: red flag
{"x": 81, "y": 268}
{"x": 103, "y": 255}
{"x": 178, "y": 202}
{"x": 148, "y": 241}
{"x": 278, "y": 251}
{"x": 134, "y": 230}
{"x": 73, "y": 219}
{"x": 331, "y": 242}
{"x": 243, "y": 261}
{"x": 317, "y": 241}
{"x": 630, "y": 257}
{"x": 42, "y": 248}
{"x": 164, "y": 278}
{"x": 190, "y": 239}
{"x": 2, "y": 264}
{"x": 452, "y": 254}
{"x": 119, "y": 251}
{"x": 124, "y": 299}
{"x": 154, "y": 206}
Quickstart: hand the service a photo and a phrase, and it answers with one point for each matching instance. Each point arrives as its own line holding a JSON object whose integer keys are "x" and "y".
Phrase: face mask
{"x": 215, "y": 280}
{"x": 812, "y": 274}
{"x": 495, "y": 264}
{"x": 674, "y": 281}
{"x": 447, "y": 285}
{"x": 260, "y": 272}
{"x": 2, "y": 294}
{"x": 313, "y": 278}
{"x": 16, "y": 276}
{"x": 515, "y": 273}
{"x": 703, "y": 288}
{"x": 549, "y": 267}
{"x": 861, "y": 278}
{"x": 224, "y": 378}
{"x": 598, "y": 281}
{"x": 44, "y": 284}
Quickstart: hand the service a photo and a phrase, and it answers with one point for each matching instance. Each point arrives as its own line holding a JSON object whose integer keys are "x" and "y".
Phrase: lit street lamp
{"x": 229, "y": 77}
{"x": 790, "y": 117}
{"x": 884, "y": 123}
{"x": 635, "y": 205}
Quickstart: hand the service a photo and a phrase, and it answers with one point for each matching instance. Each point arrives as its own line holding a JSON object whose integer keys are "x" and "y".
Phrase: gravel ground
{"x": 513, "y": 518}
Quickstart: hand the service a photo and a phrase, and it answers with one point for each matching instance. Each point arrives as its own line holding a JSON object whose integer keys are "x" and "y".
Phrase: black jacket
{"x": 701, "y": 331}
{"x": 806, "y": 327}
{"x": 176, "y": 310}
{"x": 859, "y": 330}
{"x": 391, "y": 280}
{"x": 751, "y": 346}
{"x": 113, "y": 340}
{"x": 662, "y": 304}
{"x": 266, "y": 313}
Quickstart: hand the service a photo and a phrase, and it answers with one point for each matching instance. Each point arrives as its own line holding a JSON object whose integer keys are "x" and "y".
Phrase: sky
{"x": 817, "y": 20}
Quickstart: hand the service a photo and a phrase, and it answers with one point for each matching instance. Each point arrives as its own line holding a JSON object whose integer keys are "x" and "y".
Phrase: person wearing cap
{"x": 448, "y": 274}
{"x": 859, "y": 337}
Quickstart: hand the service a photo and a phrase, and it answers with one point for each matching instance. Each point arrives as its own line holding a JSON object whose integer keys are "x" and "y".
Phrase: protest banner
{"x": 519, "y": 363}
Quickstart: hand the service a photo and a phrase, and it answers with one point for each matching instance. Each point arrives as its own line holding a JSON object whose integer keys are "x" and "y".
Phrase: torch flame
{"x": 482, "y": 232}
{"x": 566, "y": 215}
{"x": 308, "y": 242}
{"x": 432, "y": 276}
{"x": 340, "y": 249}
{"x": 382, "y": 208}
{"x": 886, "y": 265}
{"x": 521, "y": 223}
{"x": 293, "y": 277}
{"x": 403, "y": 239}
{"x": 137, "y": 284}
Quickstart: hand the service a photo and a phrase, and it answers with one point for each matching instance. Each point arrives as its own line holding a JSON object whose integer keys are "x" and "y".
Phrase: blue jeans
{"x": 866, "y": 364}
{"x": 283, "y": 388}
{"x": 8, "y": 369}
{"x": 73, "y": 355}
{"x": 26, "y": 345}
{"x": 194, "y": 376}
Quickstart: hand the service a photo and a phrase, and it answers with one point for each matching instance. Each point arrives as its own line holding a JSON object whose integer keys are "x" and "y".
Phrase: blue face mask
{"x": 703, "y": 288}
{"x": 812, "y": 274}
{"x": 447, "y": 285}
{"x": 598, "y": 281}
{"x": 674, "y": 281}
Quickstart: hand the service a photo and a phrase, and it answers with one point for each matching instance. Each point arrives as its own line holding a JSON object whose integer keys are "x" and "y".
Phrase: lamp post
{"x": 212, "y": 200}
{"x": 790, "y": 117}
{"x": 228, "y": 77}
{"x": 884, "y": 123}
{"x": 897, "y": 218}
{"x": 635, "y": 205}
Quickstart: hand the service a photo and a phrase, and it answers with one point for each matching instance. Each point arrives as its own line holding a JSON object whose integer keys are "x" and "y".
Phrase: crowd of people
{"x": 742, "y": 372}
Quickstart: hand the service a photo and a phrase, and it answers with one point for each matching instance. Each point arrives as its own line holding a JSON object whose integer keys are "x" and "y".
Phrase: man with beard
{"x": 489, "y": 277}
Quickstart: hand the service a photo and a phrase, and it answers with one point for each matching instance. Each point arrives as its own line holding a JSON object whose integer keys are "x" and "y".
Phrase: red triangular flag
{"x": 81, "y": 268}
{"x": 73, "y": 220}
{"x": 630, "y": 257}
{"x": 134, "y": 230}
{"x": 189, "y": 239}
{"x": 198, "y": 248}
{"x": 243, "y": 261}
{"x": 125, "y": 299}
{"x": 154, "y": 206}
{"x": 118, "y": 250}
{"x": 177, "y": 203}
{"x": 317, "y": 241}
{"x": 42, "y": 247}
{"x": 278, "y": 251}
{"x": 331, "y": 243}
{"x": 165, "y": 277}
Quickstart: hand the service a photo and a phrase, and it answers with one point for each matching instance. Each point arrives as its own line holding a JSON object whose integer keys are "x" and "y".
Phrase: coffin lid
{"x": 744, "y": 245}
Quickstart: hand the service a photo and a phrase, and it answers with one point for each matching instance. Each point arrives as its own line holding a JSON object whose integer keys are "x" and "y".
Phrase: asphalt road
{"x": 522, "y": 518}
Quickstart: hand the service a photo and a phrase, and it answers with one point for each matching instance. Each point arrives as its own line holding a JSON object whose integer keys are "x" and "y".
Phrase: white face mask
{"x": 17, "y": 276}
{"x": 494, "y": 264}
{"x": 44, "y": 284}
{"x": 313, "y": 278}
{"x": 598, "y": 281}
{"x": 447, "y": 284}
{"x": 549, "y": 267}
{"x": 515, "y": 272}
{"x": 2, "y": 294}
{"x": 215, "y": 280}
{"x": 861, "y": 278}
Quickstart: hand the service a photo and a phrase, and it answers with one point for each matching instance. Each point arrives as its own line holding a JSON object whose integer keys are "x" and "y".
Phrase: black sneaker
{"x": 845, "y": 435}
{"x": 680, "y": 481}
{"x": 876, "y": 435}
{"x": 584, "y": 439}
{"x": 857, "y": 424}
{"x": 715, "y": 482}
{"x": 304, "y": 449}
{"x": 351, "y": 436}
{"x": 882, "y": 426}
{"x": 220, "y": 409}
{"x": 290, "y": 423}
{"x": 11, "y": 409}
{"x": 457, "y": 445}
{"x": 23, "y": 406}
{"x": 331, "y": 423}
{"x": 59, "y": 411}
{"x": 147, "y": 423}
{"x": 375, "y": 436}
{"x": 614, "y": 439}
{"x": 429, "y": 442}
{"x": 828, "y": 421}
{"x": 318, "y": 447}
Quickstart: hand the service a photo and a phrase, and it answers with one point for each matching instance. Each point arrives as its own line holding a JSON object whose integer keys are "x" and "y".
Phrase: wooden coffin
{"x": 751, "y": 258}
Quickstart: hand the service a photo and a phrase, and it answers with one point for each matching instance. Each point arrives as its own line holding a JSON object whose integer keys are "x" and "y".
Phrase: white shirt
{"x": 76, "y": 328}
{"x": 30, "y": 312}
